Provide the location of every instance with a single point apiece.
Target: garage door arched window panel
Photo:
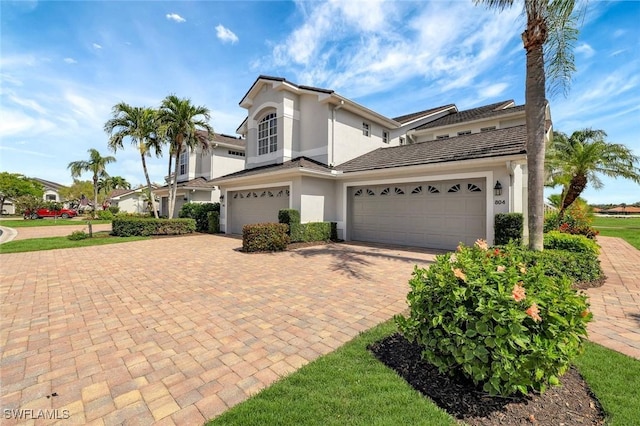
(417, 190)
(454, 188)
(398, 191)
(433, 190)
(385, 191)
(473, 187)
(358, 193)
(268, 134)
(370, 192)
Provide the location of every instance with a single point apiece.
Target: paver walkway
(616, 305)
(177, 330)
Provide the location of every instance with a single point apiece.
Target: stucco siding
(350, 142)
(317, 200)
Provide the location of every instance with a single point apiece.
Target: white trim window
(268, 134)
(464, 132)
(385, 136)
(439, 137)
(366, 129)
(184, 160)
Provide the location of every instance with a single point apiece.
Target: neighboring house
(196, 168)
(433, 178)
(130, 200)
(51, 190)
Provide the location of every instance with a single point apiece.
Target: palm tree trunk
(174, 184)
(146, 175)
(95, 196)
(576, 186)
(535, 106)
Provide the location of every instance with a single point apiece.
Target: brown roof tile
(222, 138)
(485, 111)
(494, 143)
(296, 163)
(415, 115)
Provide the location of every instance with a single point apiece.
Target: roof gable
(482, 112)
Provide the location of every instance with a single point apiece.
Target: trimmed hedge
(573, 243)
(508, 226)
(306, 232)
(291, 217)
(579, 267)
(199, 212)
(128, 227)
(214, 223)
(264, 237)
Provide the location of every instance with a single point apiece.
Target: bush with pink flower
(487, 314)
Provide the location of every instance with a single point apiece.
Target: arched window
(268, 134)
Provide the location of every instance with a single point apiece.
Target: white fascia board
(457, 165)
(228, 145)
(435, 113)
(286, 172)
(479, 120)
(360, 110)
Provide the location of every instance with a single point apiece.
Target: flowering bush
(576, 220)
(484, 313)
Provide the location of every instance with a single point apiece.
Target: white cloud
(96, 46)
(585, 50)
(175, 17)
(492, 90)
(26, 151)
(18, 123)
(225, 34)
(70, 61)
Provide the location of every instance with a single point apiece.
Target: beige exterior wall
(474, 127)
(350, 142)
(132, 203)
(317, 200)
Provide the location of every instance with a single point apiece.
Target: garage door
(256, 206)
(423, 214)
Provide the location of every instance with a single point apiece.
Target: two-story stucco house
(225, 155)
(433, 178)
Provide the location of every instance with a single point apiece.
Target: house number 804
(497, 202)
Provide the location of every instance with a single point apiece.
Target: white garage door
(256, 206)
(422, 214)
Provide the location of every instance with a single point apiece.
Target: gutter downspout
(333, 132)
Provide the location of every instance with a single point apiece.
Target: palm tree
(576, 161)
(550, 30)
(96, 165)
(109, 183)
(181, 123)
(140, 124)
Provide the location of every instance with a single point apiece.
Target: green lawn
(627, 228)
(349, 386)
(51, 243)
(47, 222)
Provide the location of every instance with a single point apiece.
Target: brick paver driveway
(177, 330)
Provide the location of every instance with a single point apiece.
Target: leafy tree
(14, 185)
(180, 122)
(28, 203)
(75, 192)
(140, 124)
(576, 161)
(96, 165)
(109, 183)
(550, 31)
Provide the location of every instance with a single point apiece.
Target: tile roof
(49, 184)
(296, 163)
(494, 143)
(226, 139)
(415, 115)
(485, 111)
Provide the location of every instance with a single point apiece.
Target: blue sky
(65, 64)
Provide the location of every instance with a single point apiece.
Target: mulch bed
(570, 404)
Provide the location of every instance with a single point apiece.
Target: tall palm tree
(97, 166)
(140, 124)
(576, 161)
(181, 123)
(550, 30)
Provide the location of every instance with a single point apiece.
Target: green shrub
(315, 231)
(556, 240)
(576, 220)
(199, 212)
(291, 217)
(486, 315)
(264, 237)
(214, 223)
(78, 235)
(131, 215)
(507, 227)
(579, 267)
(128, 227)
(104, 215)
(114, 209)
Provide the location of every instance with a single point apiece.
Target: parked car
(40, 213)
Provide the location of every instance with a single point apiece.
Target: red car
(40, 213)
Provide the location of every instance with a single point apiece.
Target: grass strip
(349, 386)
(346, 387)
(48, 222)
(615, 379)
(629, 235)
(52, 243)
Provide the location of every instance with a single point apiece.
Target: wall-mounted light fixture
(185, 198)
(221, 198)
(497, 189)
